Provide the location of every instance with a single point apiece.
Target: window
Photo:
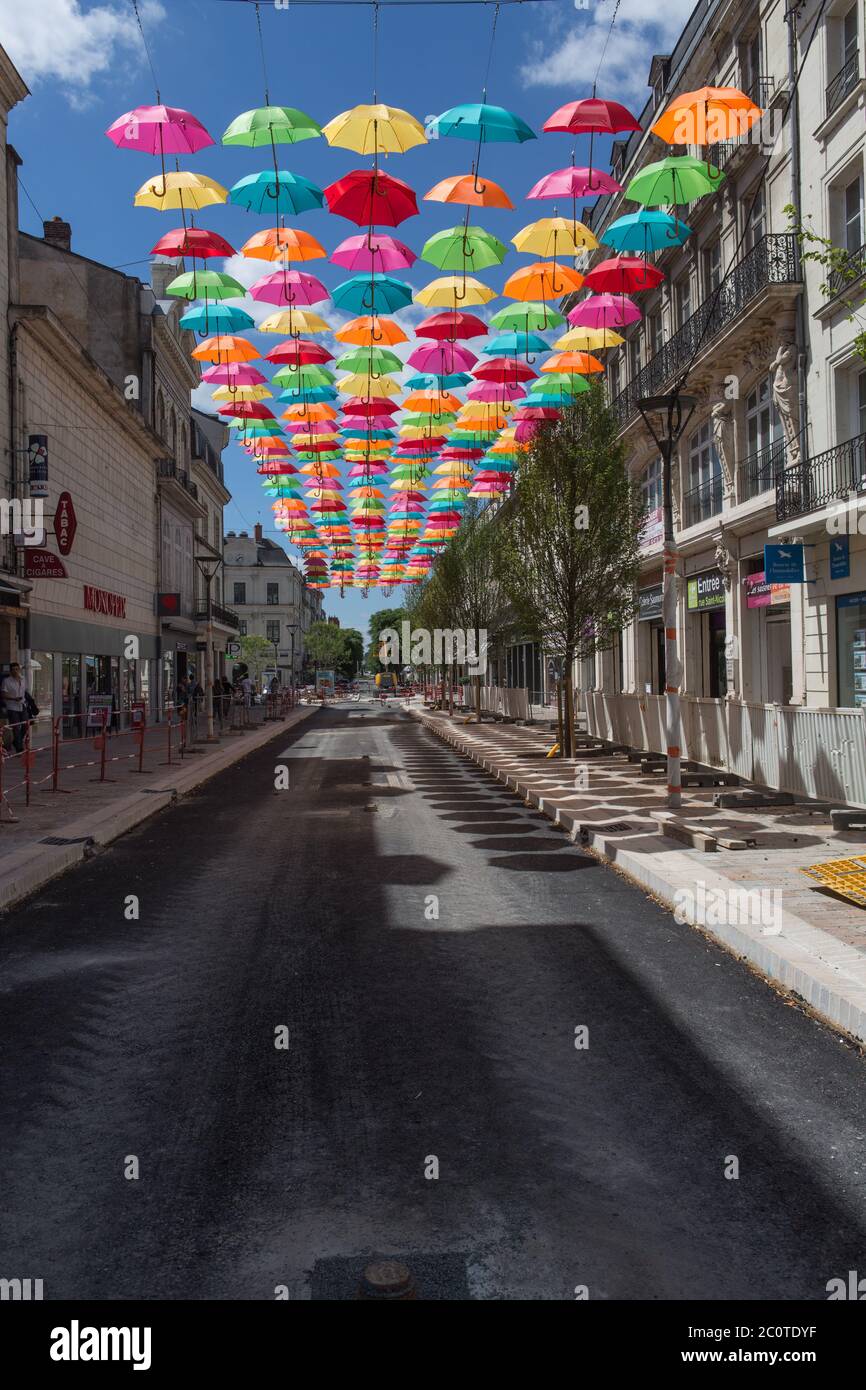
(274, 592)
(849, 35)
(764, 442)
(651, 485)
(242, 626)
(634, 356)
(272, 631)
(654, 332)
(240, 593)
(853, 213)
(705, 479)
(757, 218)
(752, 68)
(861, 403)
(712, 267)
(683, 298)
(613, 378)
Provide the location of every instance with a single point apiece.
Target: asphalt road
(412, 1037)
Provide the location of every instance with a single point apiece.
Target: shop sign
(840, 557)
(850, 600)
(101, 601)
(233, 648)
(99, 710)
(167, 605)
(649, 603)
(783, 564)
(653, 529)
(37, 457)
(760, 594)
(65, 523)
(706, 590)
(43, 564)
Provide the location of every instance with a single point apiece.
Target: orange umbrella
(370, 329)
(542, 280)
(470, 192)
(224, 347)
(283, 244)
(709, 115)
(316, 410)
(582, 362)
(433, 401)
(324, 470)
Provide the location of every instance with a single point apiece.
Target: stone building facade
(267, 591)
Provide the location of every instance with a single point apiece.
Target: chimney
(258, 531)
(58, 233)
(161, 274)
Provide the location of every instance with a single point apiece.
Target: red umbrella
(356, 405)
(505, 369)
(592, 114)
(253, 410)
(622, 275)
(192, 241)
(370, 198)
(299, 350)
(452, 325)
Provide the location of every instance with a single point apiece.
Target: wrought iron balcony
(815, 483)
(847, 273)
(702, 502)
(774, 260)
(760, 471)
(219, 615)
(845, 81)
(167, 468)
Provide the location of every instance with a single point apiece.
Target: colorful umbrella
(375, 130)
(371, 198)
(604, 311)
(363, 293)
(588, 340)
(516, 344)
(271, 125)
(591, 115)
(646, 231)
(224, 347)
(159, 130)
(451, 290)
(216, 318)
(283, 244)
(452, 324)
(527, 317)
(469, 191)
(182, 189)
(205, 284)
(707, 116)
(542, 280)
(442, 358)
(464, 248)
(555, 236)
(370, 328)
(677, 179)
(289, 287)
(378, 255)
(623, 275)
(295, 320)
(574, 183)
(273, 191)
(482, 122)
(192, 241)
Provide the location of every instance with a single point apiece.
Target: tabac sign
(65, 523)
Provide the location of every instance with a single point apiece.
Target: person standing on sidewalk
(14, 693)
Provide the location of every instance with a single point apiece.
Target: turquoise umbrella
(480, 121)
(515, 345)
(216, 318)
(365, 294)
(280, 192)
(645, 231)
(429, 381)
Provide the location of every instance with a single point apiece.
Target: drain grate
(66, 840)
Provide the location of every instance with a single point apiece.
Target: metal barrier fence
(807, 752)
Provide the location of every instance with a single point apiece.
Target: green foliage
(568, 539)
(382, 618)
(846, 268)
(332, 648)
(258, 654)
(353, 652)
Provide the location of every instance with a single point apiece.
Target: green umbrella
(464, 248)
(361, 359)
(308, 375)
(559, 383)
(279, 125)
(205, 284)
(677, 179)
(527, 318)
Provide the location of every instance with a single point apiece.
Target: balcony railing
(167, 468)
(219, 615)
(760, 471)
(825, 478)
(702, 502)
(844, 82)
(847, 273)
(774, 260)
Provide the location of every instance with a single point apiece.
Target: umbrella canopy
(588, 340)
(555, 236)
(604, 311)
(375, 130)
(272, 192)
(479, 121)
(377, 254)
(224, 347)
(283, 244)
(182, 189)
(623, 275)
(464, 248)
(369, 328)
(364, 293)
(366, 358)
(239, 373)
(371, 198)
(216, 318)
(707, 116)
(515, 344)
(205, 284)
(469, 191)
(542, 280)
(677, 179)
(452, 325)
(159, 130)
(646, 231)
(504, 369)
(271, 125)
(574, 183)
(451, 290)
(289, 287)
(442, 358)
(294, 320)
(192, 241)
(582, 362)
(527, 317)
(592, 114)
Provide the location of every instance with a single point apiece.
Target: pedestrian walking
(17, 704)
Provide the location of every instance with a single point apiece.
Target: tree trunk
(560, 735)
(477, 683)
(568, 712)
(451, 690)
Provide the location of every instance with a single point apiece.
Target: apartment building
(775, 444)
(267, 591)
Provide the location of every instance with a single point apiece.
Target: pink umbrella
(311, 426)
(495, 391)
(360, 470)
(234, 374)
(574, 183)
(604, 311)
(159, 130)
(382, 254)
(526, 430)
(289, 287)
(442, 358)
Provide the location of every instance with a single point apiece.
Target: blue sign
(840, 558)
(783, 564)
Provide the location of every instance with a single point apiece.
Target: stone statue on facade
(785, 399)
(722, 423)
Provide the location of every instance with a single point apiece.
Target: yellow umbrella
(241, 393)
(182, 189)
(555, 236)
(362, 384)
(374, 130)
(588, 340)
(294, 322)
(483, 410)
(452, 291)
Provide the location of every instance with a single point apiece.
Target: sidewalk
(815, 946)
(60, 829)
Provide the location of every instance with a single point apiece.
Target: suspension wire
(490, 50)
(376, 53)
(134, 4)
(605, 44)
(262, 52)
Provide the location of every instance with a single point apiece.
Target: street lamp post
(208, 566)
(666, 417)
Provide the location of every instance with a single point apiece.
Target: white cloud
(568, 54)
(59, 40)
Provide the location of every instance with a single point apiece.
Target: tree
(845, 270)
(384, 617)
(257, 653)
(325, 646)
(568, 550)
(353, 652)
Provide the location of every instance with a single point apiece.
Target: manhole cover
(434, 1277)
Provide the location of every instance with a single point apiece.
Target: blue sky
(85, 66)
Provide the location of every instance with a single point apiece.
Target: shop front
(705, 605)
(651, 639)
(81, 669)
(851, 650)
(767, 638)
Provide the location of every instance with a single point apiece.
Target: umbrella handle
(376, 337)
